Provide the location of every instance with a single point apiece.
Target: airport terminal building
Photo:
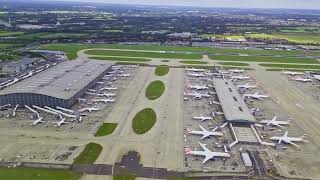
(60, 85)
(234, 108)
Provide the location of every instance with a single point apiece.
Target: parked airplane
(62, 121)
(197, 95)
(207, 153)
(104, 94)
(236, 70)
(292, 73)
(195, 70)
(288, 140)
(205, 133)
(89, 109)
(274, 122)
(223, 72)
(124, 75)
(193, 74)
(202, 118)
(198, 87)
(246, 86)
(214, 114)
(109, 100)
(255, 96)
(38, 121)
(108, 88)
(302, 79)
(240, 77)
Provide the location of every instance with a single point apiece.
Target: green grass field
(48, 35)
(72, 49)
(281, 69)
(124, 177)
(161, 70)
(37, 174)
(291, 66)
(143, 54)
(131, 63)
(144, 121)
(300, 30)
(106, 129)
(154, 90)
(233, 64)
(89, 155)
(178, 178)
(265, 59)
(300, 38)
(193, 62)
(111, 58)
(13, 33)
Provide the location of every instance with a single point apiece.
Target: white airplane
(62, 121)
(198, 87)
(193, 74)
(255, 96)
(109, 100)
(302, 79)
(214, 114)
(202, 118)
(104, 94)
(205, 133)
(108, 88)
(197, 95)
(246, 86)
(274, 122)
(236, 70)
(38, 121)
(89, 109)
(206, 152)
(240, 77)
(195, 70)
(292, 73)
(288, 140)
(124, 75)
(223, 72)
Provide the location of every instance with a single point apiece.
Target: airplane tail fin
(187, 150)
(189, 130)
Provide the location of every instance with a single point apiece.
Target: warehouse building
(60, 85)
(234, 108)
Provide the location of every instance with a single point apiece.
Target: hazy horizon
(286, 4)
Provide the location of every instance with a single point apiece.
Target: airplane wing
(204, 136)
(202, 128)
(278, 125)
(204, 147)
(292, 143)
(207, 158)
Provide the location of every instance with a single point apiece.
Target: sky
(288, 4)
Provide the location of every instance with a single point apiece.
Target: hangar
(60, 85)
(234, 108)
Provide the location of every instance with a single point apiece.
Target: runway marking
(36, 147)
(6, 148)
(58, 149)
